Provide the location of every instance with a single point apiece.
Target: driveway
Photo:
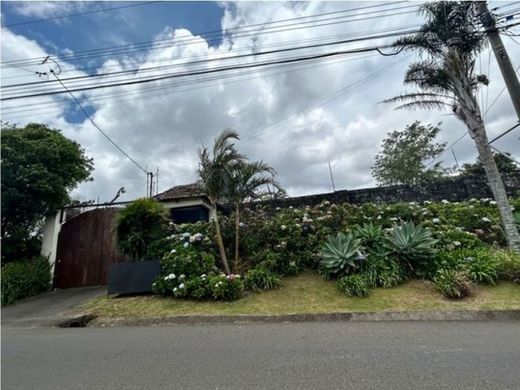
(44, 310)
(336, 355)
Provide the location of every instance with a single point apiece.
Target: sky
(296, 117)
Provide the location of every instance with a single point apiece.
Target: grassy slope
(308, 293)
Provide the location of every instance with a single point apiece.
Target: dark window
(189, 214)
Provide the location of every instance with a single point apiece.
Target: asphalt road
(335, 355)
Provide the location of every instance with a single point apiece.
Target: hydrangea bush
(284, 241)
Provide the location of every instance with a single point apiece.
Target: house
(186, 203)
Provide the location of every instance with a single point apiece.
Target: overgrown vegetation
(23, 279)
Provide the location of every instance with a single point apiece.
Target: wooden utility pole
(506, 68)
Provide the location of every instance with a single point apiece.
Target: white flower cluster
(444, 201)
(170, 277)
(485, 219)
(196, 237)
(436, 220)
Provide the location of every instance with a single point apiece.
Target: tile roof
(192, 190)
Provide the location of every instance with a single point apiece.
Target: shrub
(479, 264)
(508, 265)
(279, 263)
(383, 271)
(340, 255)
(450, 239)
(354, 285)
(370, 235)
(259, 279)
(226, 287)
(454, 284)
(138, 225)
(413, 245)
(24, 279)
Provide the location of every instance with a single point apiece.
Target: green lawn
(308, 293)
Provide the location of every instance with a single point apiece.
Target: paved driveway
(43, 310)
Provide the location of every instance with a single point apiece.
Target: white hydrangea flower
(182, 276)
(181, 285)
(485, 219)
(445, 201)
(436, 220)
(492, 203)
(283, 227)
(186, 244)
(457, 243)
(173, 250)
(393, 219)
(241, 224)
(175, 289)
(278, 209)
(379, 217)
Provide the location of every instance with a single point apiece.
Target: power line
(217, 70)
(205, 34)
(81, 13)
(504, 133)
(96, 126)
(223, 58)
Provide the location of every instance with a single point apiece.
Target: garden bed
(309, 293)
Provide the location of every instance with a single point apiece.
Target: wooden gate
(86, 247)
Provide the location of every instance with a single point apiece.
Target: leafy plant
(383, 271)
(260, 279)
(414, 245)
(354, 285)
(23, 279)
(226, 287)
(508, 265)
(370, 235)
(452, 283)
(340, 255)
(138, 225)
(482, 267)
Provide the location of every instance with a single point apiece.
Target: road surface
(334, 355)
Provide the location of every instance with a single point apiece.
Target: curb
(442, 315)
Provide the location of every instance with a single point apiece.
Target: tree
(214, 169)
(449, 42)
(404, 153)
(245, 183)
(39, 169)
(504, 164)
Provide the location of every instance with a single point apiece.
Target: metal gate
(86, 248)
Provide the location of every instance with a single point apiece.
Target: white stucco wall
(51, 230)
(188, 202)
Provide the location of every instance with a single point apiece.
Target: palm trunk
(497, 187)
(237, 233)
(220, 242)
(471, 115)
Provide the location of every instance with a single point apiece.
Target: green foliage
(370, 235)
(23, 279)
(340, 255)
(454, 284)
(226, 287)
(404, 153)
(354, 285)
(138, 225)
(383, 271)
(260, 279)
(508, 265)
(479, 264)
(413, 245)
(504, 165)
(39, 169)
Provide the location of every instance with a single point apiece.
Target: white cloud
(293, 117)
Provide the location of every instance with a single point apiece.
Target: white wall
(51, 230)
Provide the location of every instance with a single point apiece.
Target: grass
(308, 293)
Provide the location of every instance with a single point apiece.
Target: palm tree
(213, 173)
(246, 181)
(448, 43)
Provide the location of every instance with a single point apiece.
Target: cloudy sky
(296, 117)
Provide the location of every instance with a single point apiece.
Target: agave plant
(412, 244)
(341, 255)
(371, 235)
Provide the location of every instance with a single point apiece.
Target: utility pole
(332, 179)
(506, 68)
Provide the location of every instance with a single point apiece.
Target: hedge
(23, 279)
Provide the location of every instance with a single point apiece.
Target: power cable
(80, 14)
(96, 126)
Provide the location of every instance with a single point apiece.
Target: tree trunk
(469, 112)
(220, 243)
(497, 187)
(237, 233)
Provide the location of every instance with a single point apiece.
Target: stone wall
(452, 189)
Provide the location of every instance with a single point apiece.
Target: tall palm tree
(448, 44)
(214, 168)
(248, 181)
